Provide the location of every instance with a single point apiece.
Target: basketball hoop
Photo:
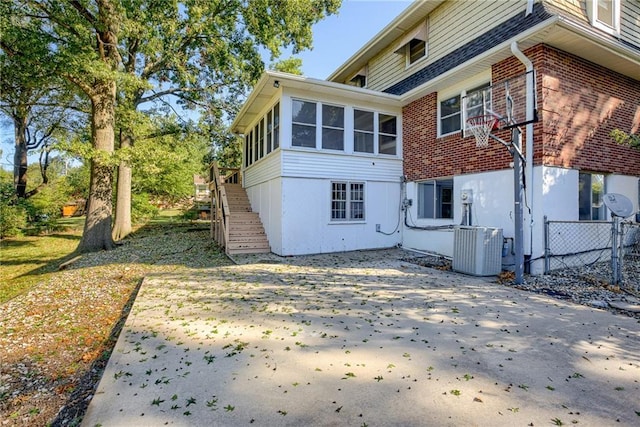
(481, 127)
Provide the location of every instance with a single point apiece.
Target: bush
(13, 215)
(141, 208)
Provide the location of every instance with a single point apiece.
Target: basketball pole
(518, 238)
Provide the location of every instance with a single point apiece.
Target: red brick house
(424, 65)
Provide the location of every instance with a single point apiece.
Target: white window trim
(436, 200)
(323, 126)
(348, 219)
(592, 11)
(461, 90)
(407, 55)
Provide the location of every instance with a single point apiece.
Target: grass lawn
(24, 260)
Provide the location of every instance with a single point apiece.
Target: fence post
(547, 260)
(614, 251)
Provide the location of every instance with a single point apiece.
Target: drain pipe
(530, 114)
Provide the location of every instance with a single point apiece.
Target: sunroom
(322, 164)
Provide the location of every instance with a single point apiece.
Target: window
(363, 131)
(590, 192)
(347, 201)
(250, 139)
(304, 124)
(263, 138)
(387, 134)
(332, 127)
(269, 141)
(416, 49)
(261, 141)
(605, 14)
(454, 111)
(435, 199)
(276, 126)
(414, 44)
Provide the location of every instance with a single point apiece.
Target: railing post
(547, 260)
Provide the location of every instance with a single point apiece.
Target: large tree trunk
(97, 227)
(122, 224)
(20, 156)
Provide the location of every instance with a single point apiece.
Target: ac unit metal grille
(477, 250)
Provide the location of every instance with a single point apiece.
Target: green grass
(23, 260)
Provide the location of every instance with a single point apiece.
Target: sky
(335, 40)
(338, 37)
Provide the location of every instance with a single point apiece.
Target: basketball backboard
(507, 100)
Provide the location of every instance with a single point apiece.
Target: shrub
(13, 215)
(141, 208)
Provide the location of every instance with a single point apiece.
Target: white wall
(306, 213)
(492, 207)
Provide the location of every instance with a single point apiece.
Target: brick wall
(579, 103)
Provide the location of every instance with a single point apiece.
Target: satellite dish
(618, 204)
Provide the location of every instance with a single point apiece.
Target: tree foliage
(628, 139)
(164, 54)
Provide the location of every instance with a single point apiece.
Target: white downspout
(529, 7)
(530, 107)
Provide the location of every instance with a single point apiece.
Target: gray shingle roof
(486, 41)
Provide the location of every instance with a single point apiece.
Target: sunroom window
(304, 124)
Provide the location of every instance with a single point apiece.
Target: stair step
(247, 245)
(248, 239)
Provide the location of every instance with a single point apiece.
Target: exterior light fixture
(276, 84)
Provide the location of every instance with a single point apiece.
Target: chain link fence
(605, 251)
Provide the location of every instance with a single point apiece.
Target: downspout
(529, 7)
(530, 114)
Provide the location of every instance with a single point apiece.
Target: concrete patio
(363, 339)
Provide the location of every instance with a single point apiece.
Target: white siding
(266, 199)
(451, 25)
(301, 164)
(630, 22)
(263, 170)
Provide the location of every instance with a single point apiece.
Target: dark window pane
(363, 120)
(303, 136)
(363, 142)
(387, 144)
(417, 50)
(450, 124)
(332, 116)
(387, 124)
(304, 112)
(332, 139)
(450, 106)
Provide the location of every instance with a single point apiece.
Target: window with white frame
(363, 131)
(303, 124)
(414, 44)
(347, 201)
(263, 138)
(453, 112)
(590, 197)
(605, 14)
(332, 127)
(435, 199)
(387, 134)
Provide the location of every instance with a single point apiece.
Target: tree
(36, 102)
(203, 54)
(291, 65)
(198, 51)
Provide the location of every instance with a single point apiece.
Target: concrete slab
(363, 339)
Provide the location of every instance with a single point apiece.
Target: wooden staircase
(246, 233)
(233, 224)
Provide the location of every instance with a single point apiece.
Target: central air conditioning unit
(477, 250)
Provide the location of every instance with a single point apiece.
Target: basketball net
(481, 127)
